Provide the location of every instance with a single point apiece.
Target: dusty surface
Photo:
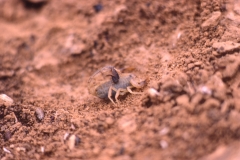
(188, 50)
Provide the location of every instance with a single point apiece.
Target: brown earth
(188, 51)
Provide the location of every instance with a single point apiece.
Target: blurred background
(188, 51)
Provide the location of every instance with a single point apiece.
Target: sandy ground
(187, 50)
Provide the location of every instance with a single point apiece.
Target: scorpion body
(104, 87)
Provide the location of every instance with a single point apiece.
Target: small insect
(109, 81)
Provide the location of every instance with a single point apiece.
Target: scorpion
(110, 82)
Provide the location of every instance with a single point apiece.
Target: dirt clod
(214, 17)
(226, 47)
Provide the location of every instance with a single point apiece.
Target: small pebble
(163, 144)
(109, 121)
(6, 150)
(21, 149)
(6, 100)
(65, 137)
(73, 141)
(179, 35)
(205, 90)
(73, 127)
(152, 92)
(39, 113)
(42, 149)
(164, 131)
(12, 146)
(98, 7)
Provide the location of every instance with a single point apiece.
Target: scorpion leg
(130, 90)
(110, 94)
(120, 91)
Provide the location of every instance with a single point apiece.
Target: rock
(71, 140)
(39, 113)
(164, 131)
(5, 100)
(213, 20)
(66, 136)
(225, 47)
(163, 144)
(152, 92)
(204, 90)
(42, 149)
(6, 150)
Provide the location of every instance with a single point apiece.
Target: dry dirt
(187, 50)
